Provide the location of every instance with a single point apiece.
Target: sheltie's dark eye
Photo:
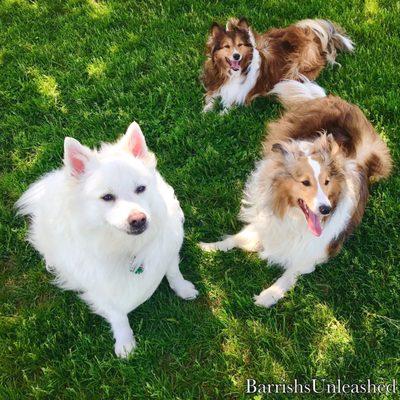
(227, 46)
(240, 44)
(108, 197)
(140, 189)
(306, 182)
(327, 182)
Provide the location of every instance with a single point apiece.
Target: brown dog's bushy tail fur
(311, 111)
(332, 37)
(290, 92)
(373, 154)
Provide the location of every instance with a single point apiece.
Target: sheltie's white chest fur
(287, 241)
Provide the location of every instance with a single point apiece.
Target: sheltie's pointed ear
(76, 156)
(280, 148)
(243, 24)
(333, 145)
(287, 150)
(134, 142)
(216, 30)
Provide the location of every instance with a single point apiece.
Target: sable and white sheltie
(310, 189)
(110, 228)
(242, 65)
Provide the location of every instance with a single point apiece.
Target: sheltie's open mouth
(313, 222)
(234, 64)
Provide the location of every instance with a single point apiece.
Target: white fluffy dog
(110, 228)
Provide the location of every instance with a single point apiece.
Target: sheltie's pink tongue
(313, 223)
(235, 65)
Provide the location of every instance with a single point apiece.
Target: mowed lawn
(87, 69)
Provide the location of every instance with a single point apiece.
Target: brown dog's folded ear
(243, 24)
(216, 29)
(333, 145)
(288, 150)
(279, 148)
(234, 23)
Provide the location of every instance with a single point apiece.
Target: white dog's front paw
(268, 297)
(123, 348)
(185, 290)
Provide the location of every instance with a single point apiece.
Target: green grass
(87, 69)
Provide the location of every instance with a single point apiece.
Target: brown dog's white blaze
(309, 177)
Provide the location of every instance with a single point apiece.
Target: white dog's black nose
(137, 222)
(324, 209)
(236, 56)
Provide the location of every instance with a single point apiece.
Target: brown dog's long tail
(373, 154)
(332, 37)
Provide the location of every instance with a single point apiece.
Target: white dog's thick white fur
(86, 241)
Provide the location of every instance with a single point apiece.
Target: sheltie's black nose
(236, 56)
(324, 209)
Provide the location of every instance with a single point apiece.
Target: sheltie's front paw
(208, 107)
(123, 348)
(268, 297)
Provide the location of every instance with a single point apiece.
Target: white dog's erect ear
(76, 156)
(134, 141)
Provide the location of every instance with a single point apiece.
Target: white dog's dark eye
(327, 182)
(306, 182)
(108, 197)
(140, 189)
